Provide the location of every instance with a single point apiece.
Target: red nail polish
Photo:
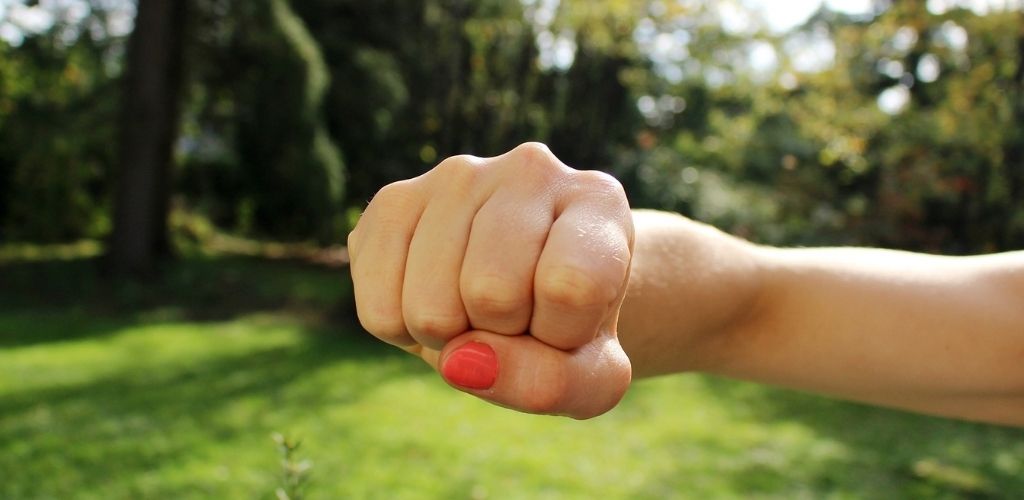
(472, 366)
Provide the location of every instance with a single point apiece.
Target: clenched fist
(505, 274)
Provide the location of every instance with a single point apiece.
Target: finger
(497, 272)
(430, 356)
(525, 374)
(431, 301)
(582, 270)
(378, 249)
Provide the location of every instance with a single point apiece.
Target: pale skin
(577, 295)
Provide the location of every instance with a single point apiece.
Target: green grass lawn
(173, 389)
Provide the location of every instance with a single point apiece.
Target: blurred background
(177, 178)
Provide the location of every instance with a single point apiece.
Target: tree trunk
(149, 126)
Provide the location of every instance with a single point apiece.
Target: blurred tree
(908, 137)
(918, 130)
(416, 81)
(258, 150)
(899, 127)
(149, 126)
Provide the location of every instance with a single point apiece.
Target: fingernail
(472, 366)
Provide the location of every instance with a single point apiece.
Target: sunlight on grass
(34, 252)
(187, 409)
(172, 401)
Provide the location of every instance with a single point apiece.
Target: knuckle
(546, 398)
(458, 168)
(436, 324)
(383, 326)
(493, 296)
(388, 212)
(536, 155)
(616, 385)
(458, 174)
(459, 162)
(394, 193)
(615, 376)
(351, 243)
(612, 398)
(391, 204)
(533, 149)
(602, 182)
(573, 288)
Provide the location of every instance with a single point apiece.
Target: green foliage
(817, 161)
(273, 169)
(416, 81)
(57, 129)
(945, 173)
(662, 94)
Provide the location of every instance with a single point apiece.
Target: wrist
(749, 304)
(693, 294)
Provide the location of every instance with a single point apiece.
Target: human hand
(506, 275)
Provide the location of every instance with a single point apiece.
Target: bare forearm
(938, 335)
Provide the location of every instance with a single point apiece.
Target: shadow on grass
(193, 288)
(919, 456)
(114, 428)
(140, 420)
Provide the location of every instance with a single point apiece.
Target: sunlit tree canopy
(838, 121)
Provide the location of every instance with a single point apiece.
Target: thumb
(525, 374)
